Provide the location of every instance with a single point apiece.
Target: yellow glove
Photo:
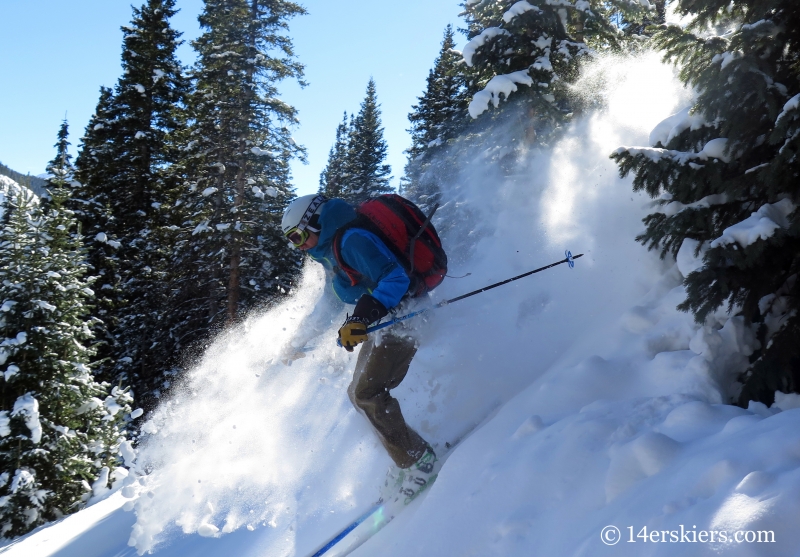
(353, 332)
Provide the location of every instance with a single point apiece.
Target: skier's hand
(370, 309)
(353, 332)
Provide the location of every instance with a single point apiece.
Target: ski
(349, 528)
(369, 524)
(355, 534)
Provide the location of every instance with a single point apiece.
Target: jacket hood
(335, 214)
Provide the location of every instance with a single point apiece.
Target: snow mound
(498, 85)
(518, 9)
(686, 259)
(673, 126)
(478, 41)
(759, 226)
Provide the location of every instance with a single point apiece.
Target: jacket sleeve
(365, 253)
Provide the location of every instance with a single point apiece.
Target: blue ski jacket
(382, 276)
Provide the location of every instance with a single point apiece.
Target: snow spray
(248, 442)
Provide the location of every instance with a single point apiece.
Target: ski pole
(569, 259)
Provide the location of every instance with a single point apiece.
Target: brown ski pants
(379, 369)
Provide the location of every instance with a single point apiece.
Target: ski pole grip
(371, 330)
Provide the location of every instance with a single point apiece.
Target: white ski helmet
(300, 212)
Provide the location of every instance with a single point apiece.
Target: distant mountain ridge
(36, 185)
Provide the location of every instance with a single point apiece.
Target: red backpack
(407, 232)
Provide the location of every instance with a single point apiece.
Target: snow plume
(256, 438)
(567, 191)
(255, 443)
(622, 422)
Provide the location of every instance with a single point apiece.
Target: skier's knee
(361, 400)
(366, 399)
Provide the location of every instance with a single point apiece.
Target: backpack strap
(354, 276)
(413, 241)
(425, 233)
(351, 273)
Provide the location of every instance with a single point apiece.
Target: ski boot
(411, 481)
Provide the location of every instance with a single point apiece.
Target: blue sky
(56, 55)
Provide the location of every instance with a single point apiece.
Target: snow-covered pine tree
(60, 169)
(129, 175)
(639, 24)
(146, 111)
(725, 171)
(522, 59)
(149, 100)
(334, 176)
(60, 430)
(230, 255)
(368, 175)
(91, 202)
(537, 44)
(438, 117)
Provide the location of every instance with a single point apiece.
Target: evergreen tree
(499, 54)
(538, 45)
(60, 169)
(91, 203)
(726, 173)
(125, 169)
(367, 173)
(149, 100)
(519, 66)
(334, 177)
(230, 255)
(146, 111)
(60, 430)
(639, 25)
(439, 116)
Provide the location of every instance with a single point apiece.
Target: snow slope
(598, 404)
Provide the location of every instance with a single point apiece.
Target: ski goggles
(297, 237)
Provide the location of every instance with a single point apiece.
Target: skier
(311, 223)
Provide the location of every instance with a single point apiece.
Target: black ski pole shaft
(567, 259)
(512, 279)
